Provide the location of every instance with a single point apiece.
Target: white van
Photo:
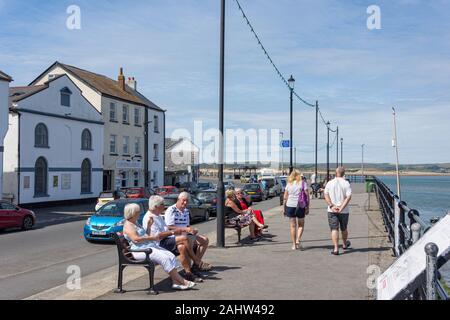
(273, 185)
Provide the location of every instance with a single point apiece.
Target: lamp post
(317, 135)
(291, 87)
(337, 147)
(342, 152)
(362, 162)
(220, 186)
(328, 151)
(395, 145)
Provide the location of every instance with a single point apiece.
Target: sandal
(347, 246)
(203, 266)
(336, 253)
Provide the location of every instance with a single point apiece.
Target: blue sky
(172, 49)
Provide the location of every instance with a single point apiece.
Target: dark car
(137, 193)
(209, 197)
(202, 186)
(255, 191)
(197, 209)
(12, 216)
(190, 187)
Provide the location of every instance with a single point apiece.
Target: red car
(138, 193)
(164, 191)
(12, 216)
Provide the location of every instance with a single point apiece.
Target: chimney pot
(121, 79)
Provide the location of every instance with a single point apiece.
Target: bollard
(415, 232)
(431, 250)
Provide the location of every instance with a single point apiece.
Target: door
(7, 215)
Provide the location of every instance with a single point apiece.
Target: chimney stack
(132, 83)
(121, 79)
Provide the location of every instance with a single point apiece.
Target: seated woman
(139, 240)
(243, 217)
(244, 204)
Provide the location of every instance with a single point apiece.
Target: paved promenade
(269, 269)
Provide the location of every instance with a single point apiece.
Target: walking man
(338, 195)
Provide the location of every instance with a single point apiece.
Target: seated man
(177, 218)
(172, 241)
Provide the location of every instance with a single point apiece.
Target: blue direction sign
(285, 143)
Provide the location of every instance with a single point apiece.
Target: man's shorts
(169, 244)
(338, 221)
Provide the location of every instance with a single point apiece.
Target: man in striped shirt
(177, 218)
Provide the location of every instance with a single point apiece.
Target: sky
(172, 49)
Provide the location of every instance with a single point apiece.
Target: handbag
(303, 201)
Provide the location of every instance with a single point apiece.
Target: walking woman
(292, 208)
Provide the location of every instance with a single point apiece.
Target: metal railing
(411, 227)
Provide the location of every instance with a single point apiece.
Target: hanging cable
(269, 58)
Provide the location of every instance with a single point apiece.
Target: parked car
(228, 184)
(163, 191)
(201, 186)
(108, 196)
(245, 178)
(137, 193)
(209, 197)
(109, 219)
(12, 216)
(255, 191)
(197, 209)
(273, 186)
(282, 180)
(190, 187)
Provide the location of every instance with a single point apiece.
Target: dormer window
(65, 97)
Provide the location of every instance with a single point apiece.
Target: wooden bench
(126, 259)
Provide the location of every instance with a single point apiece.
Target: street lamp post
(328, 151)
(317, 135)
(282, 151)
(337, 147)
(220, 186)
(362, 162)
(291, 87)
(342, 152)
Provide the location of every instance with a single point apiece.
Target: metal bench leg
(239, 235)
(120, 280)
(151, 274)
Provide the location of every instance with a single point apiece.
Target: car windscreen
(106, 195)
(206, 196)
(251, 187)
(269, 182)
(116, 209)
(170, 201)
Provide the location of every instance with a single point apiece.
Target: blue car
(109, 219)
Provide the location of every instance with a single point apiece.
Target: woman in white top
(139, 240)
(295, 213)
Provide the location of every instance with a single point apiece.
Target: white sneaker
(183, 286)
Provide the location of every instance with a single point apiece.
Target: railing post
(431, 250)
(415, 232)
(397, 214)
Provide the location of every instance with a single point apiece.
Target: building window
(136, 179)
(65, 97)
(112, 112)
(124, 179)
(126, 145)
(126, 114)
(40, 177)
(137, 146)
(41, 136)
(137, 117)
(155, 152)
(156, 124)
(113, 144)
(86, 140)
(86, 176)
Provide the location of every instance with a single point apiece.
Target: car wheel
(27, 223)
(206, 216)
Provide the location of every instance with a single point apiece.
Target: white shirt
(313, 178)
(293, 190)
(338, 189)
(176, 218)
(158, 226)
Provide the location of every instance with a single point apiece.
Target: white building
(4, 93)
(54, 146)
(134, 127)
(182, 161)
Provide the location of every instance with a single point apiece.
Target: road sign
(285, 143)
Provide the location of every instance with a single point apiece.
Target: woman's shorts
(295, 212)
